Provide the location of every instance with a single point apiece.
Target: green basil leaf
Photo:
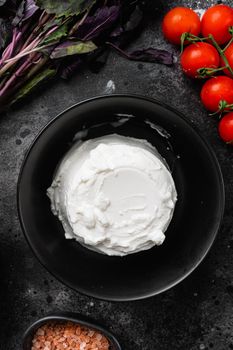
(65, 8)
(55, 36)
(30, 85)
(70, 48)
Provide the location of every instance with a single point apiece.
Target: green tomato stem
(221, 53)
(222, 107)
(209, 71)
(226, 47)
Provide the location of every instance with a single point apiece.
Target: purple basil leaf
(147, 55)
(152, 55)
(26, 9)
(103, 19)
(30, 9)
(122, 34)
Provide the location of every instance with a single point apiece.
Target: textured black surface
(197, 314)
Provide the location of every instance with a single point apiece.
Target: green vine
(206, 72)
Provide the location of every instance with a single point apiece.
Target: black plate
(196, 218)
(68, 317)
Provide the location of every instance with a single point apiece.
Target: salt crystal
(61, 340)
(82, 346)
(65, 337)
(40, 331)
(98, 336)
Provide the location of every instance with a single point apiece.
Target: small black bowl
(65, 317)
(196, 218)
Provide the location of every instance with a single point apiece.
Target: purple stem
(41, 16)
(25, 51)
(51, 31)
(88, 36)
(5, 54)
(10, 48)
(42, 20)
(13, 41)
(14, 76)
(124, 54)
(23, 30)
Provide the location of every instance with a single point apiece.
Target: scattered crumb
(69, 336)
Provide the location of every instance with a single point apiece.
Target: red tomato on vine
(225, 128)
(217, 20)
(229, 55)
(197, 56)
(215, 90)
(178, 21)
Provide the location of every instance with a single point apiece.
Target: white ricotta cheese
(114, 195)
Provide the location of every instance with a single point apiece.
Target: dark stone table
(196, 314)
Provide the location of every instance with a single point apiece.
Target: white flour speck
(110, 87)
(175, 59)
(200, 12)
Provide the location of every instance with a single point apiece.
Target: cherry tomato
(199, 55)
(216, 89)
(229, 56)
(178, 21)
(216, 21)
(225, 128)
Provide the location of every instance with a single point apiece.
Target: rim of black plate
(208, 148)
